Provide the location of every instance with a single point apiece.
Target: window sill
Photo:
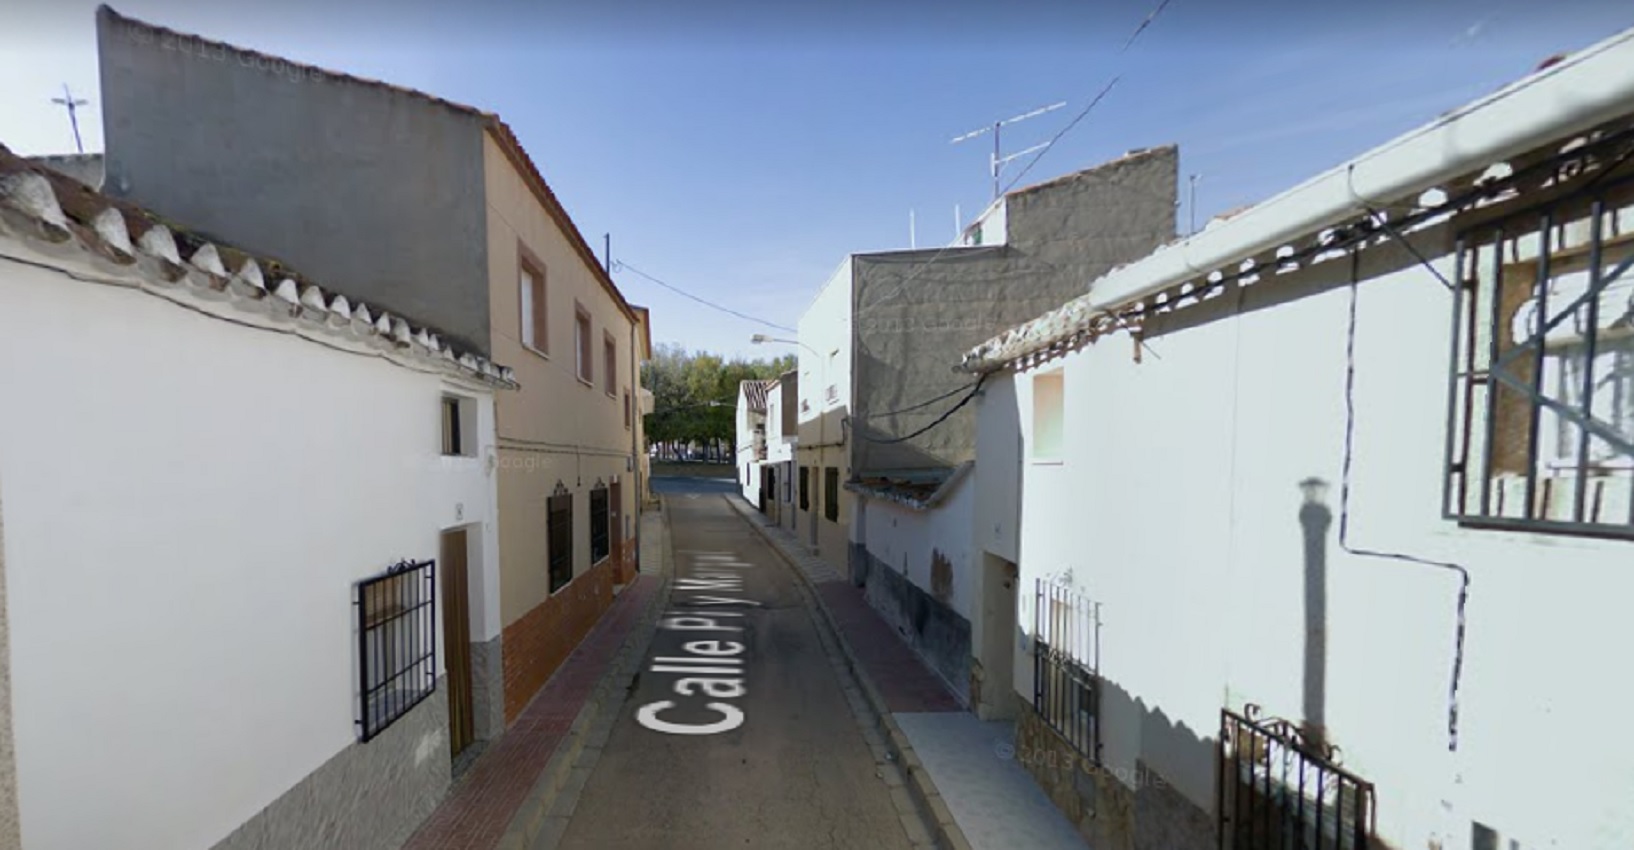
(1047, 461)
(537, 351)
(586, 381)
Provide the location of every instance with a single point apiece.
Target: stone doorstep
(530, 820)
(922, 786)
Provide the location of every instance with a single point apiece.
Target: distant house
(749, 447)
(782, 435)
(84, 167)
(1327, 512)
(241, 510)
(887, 433)
(305, 164)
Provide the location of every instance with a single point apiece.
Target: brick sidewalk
(481, 805)
(896, 671)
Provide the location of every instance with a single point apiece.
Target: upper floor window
(581, 344)
(1543, 380)
(628, 415)
(459, 427)
(1049, 415)
(531, 287)
(609, 356)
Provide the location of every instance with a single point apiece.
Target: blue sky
(741, 150)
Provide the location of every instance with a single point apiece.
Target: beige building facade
(572, 437)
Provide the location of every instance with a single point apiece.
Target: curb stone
(537, 820)
(921, 787)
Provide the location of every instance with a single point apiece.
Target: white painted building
(750, 442)
(1321, 462)
(782, 435)
(211, 457)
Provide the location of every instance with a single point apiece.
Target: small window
(531, 284)
(805, 488)
(600, 534)
(609, 356)
(581, 339)
(559, 530)
(397, 655)
(459, 427)
(831, 494)
(1048, 415)
(628, 417)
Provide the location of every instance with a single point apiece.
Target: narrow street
(737, 732)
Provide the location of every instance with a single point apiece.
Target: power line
(926, 403)
(620, 265)
(976, 388)
(1105, 90)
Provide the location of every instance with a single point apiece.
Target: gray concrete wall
(917, 312)
(488, 688)
(84, 167)
(937, 632)
(10, 823)
(370, 796)
(374, 192)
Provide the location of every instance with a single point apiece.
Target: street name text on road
(713, 669)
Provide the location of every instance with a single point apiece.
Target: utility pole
(68, 100)
(913, 234)
(607, 251)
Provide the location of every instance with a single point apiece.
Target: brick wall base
(540, 640)
(624, 571)
(1108, 814)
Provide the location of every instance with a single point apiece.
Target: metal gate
(1066, 664)
(1280, 791)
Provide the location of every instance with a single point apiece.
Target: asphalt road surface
(763, 749)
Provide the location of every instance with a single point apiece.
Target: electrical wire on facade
(1344, 512)
(974, 389)
(619, 265)
(926, 403)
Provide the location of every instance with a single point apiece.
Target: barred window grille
(1066, 664)
(559, 530)
(805, 488)
(831, 494)
(600, 546)
(1542, 432)
(1280, 787)
(397, 655)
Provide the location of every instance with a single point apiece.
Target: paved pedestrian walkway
(481, 805)
(995, 802)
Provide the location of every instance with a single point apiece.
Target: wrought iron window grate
(1542, 382)
(600, 545)
(559, 531)
(397, 655)
(1280, 789)
(1066, 665)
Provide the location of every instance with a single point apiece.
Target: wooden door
(615, 519)
(457, 640)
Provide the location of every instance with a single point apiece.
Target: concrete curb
(594, 723)
(920, 785)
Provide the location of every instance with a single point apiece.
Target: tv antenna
(998, 160)
(72, 104)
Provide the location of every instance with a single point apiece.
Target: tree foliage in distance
(695, 394)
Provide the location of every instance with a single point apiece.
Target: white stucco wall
(188, 505)
(825, 335)
(901, 536)
(1178, 505)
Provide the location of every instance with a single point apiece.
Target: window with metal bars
(600, 534)
(397, 655)
(1066, 665)
(805, 488)
(831, 494)
(1542, 397)
(1277, 788)
(559, 530)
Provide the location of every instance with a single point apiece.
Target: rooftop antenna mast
(68, 100)
(998, 160)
